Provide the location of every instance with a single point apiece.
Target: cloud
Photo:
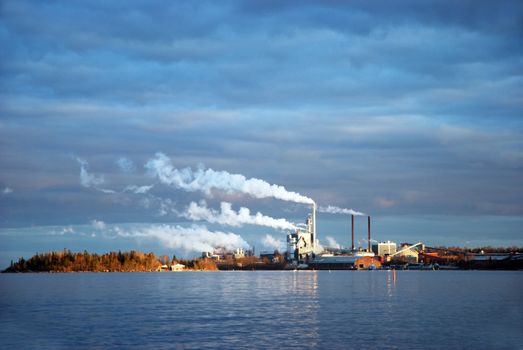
(228, 216)
(98, 224)
(343, 102)
(384, 202)
(191, 239)
(138, 189)
(205, 180)
(126, 165)
(7, 190)
(64, 231)
(272, 243)
(86, 179)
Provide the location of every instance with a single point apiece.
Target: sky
(410, 112)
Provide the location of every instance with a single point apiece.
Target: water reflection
(304, 302)
(391, 282)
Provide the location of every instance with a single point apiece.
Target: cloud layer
(406, 109)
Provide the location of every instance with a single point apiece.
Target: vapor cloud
(126, 165)
(273, 243)
(86, 179)
(332, 243)
(91, 180)
(205, 180)
(98, 224)
(138, 189)
(337, 210)
(191, 239)
(7, 190)
(228, 216)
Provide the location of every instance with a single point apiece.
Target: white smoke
(90, 180)
(228, 216)
(86, 179)
(7, 190)
(331, 242)
(192, 239)
(337, 210)
(273, 243)
(138, 189)
(206, 179)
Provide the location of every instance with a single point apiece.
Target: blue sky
(410, 112)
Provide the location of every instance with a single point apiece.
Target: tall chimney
(368, 224)
(314, 226)
(352, 246)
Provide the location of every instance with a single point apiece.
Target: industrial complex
(305, 252)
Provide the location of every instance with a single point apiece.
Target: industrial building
(384, 248)
(303, 248)
(302, 245)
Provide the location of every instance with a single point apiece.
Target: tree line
(133, 261)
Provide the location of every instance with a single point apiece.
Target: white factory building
(303, 245)
(384, 248)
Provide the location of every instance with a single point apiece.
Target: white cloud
(384, 202)
(98, 224)
(7, 190)
(63, 231)
(126, 165)
(138, 189)
(86, 179)
(91, 180)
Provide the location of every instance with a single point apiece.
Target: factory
(303, 249)
(305, 252)
(302, 246)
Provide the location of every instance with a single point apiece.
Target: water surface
(279, 309)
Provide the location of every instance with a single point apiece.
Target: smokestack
(352, 246)
(314, 225)
(368, 222)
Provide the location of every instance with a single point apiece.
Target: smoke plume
(228, 216)
(90, 180)
(273, 243)
(138, 189)
(337, 210)
(207, 179)
(331, 242)
(191, 239)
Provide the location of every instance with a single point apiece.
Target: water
(264, 310)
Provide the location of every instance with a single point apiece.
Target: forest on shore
(133, 261)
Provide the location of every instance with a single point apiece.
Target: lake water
(263, 310)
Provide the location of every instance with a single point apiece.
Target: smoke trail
(192, 239)
(90, 180)
(138, 189)
(206, 179)
(273, 243)
(227, 216)
(337, 210)
(331, 242)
